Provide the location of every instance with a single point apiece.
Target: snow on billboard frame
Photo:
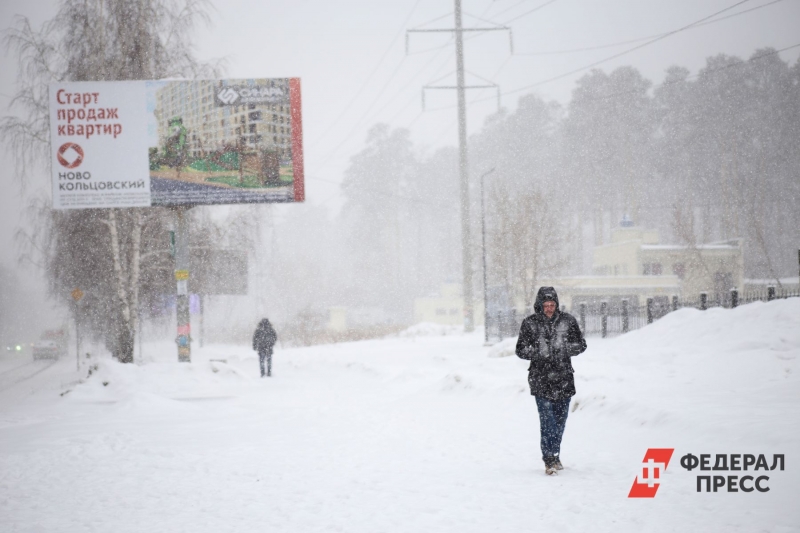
(176, 143)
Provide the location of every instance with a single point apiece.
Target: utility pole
(463, 156)
(483, 249)
(463, 170)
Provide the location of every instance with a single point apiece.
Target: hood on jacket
(545, 294)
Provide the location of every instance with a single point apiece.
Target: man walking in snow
(549, 338)
(263, 341)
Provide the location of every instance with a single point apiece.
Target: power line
(449, 13)
(361, 119)
(534, 10)
(612, 57)
(367, 112)
(369, 78)
(413, 79)
(482, 19)
(629, 50)
(509, 8)
(640, 39)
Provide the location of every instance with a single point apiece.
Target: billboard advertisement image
(176, 143)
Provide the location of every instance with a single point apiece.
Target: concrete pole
(483, 249)
(463, 167)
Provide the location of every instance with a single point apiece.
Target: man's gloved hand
(575, 348)
(529, 353)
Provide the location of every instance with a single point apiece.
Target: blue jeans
(552, 419)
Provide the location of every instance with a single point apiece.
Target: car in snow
(46, 349)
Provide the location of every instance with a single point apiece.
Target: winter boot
(550, 466)
(557, 463)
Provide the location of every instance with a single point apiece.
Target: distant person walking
(263, 341)
(549, 338)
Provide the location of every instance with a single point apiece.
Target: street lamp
(483, 238)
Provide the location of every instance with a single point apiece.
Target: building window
(652, 269)
(679, 269)
(441, 311)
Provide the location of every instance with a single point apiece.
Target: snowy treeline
(701, 157)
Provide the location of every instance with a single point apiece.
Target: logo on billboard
(70, 155)
(654, 464)
(228, 95)
(247, 94)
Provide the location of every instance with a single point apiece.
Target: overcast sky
(351, 57)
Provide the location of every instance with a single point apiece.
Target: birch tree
(530, 240)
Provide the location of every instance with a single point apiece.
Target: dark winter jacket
(549, 343)
(265, 337)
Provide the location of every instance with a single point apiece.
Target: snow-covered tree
(116, 256)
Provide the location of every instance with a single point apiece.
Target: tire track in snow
(17, 375)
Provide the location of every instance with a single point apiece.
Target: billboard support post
(77, 339)
(202, 312)
(183, 340)
(77, 294)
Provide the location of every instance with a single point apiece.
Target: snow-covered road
(410, 433)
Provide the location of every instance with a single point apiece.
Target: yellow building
(635, 266)
(337, 319)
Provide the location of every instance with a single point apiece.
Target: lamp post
(483, 238)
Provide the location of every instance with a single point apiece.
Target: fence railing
(600, 318)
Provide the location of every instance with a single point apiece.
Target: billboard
(176, 143)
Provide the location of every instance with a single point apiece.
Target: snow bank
(504, 348)
(427, 329)
(425, 431)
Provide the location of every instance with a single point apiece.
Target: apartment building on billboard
(246, 115)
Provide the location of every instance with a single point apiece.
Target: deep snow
(425, 431)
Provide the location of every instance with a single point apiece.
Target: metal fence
(608, 319)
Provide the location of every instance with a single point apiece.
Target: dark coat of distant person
(265, 337)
